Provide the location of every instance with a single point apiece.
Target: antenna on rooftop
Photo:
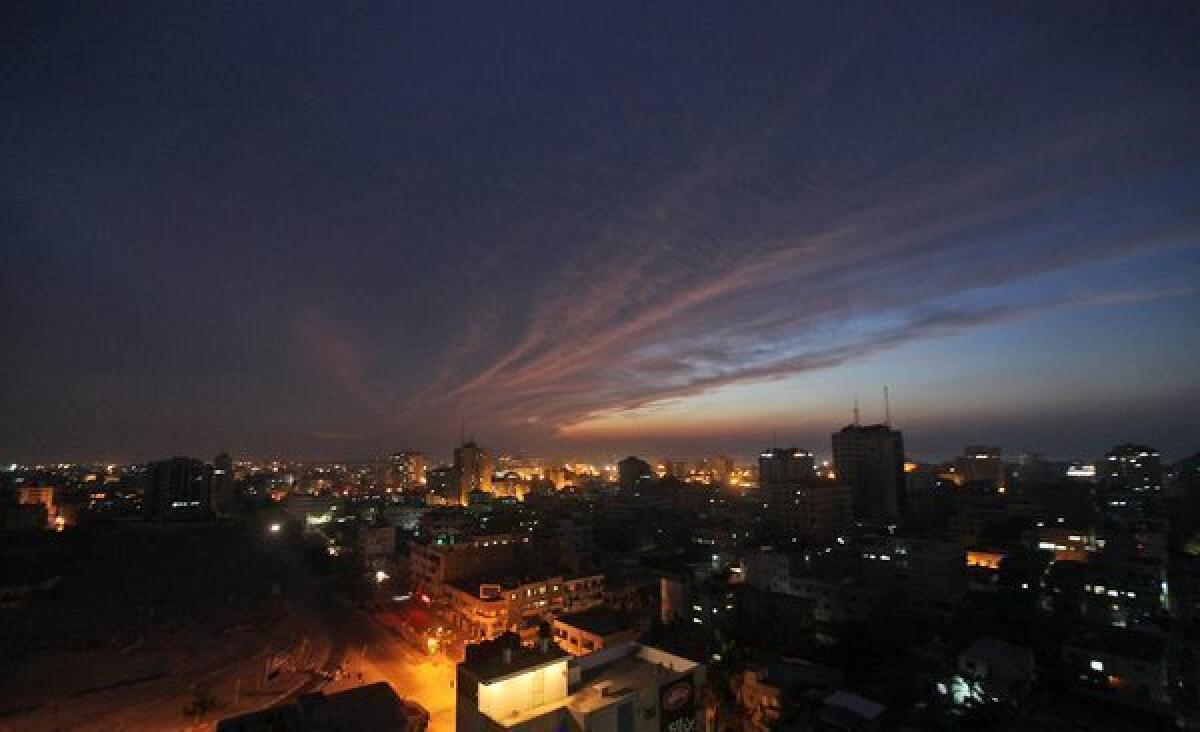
(857, 421)
(887, 408)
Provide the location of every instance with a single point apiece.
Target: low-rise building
(625, 688)
(376, 546)
(592, 630)
(374, 707)
(844, 711)
(486, 608)
(1120, 665)
(1001, 670)
(762, 692)
(435, 563)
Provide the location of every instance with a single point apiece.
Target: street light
(276, 528)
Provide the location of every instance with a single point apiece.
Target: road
(343, 636)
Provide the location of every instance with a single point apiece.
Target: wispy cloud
(685, 300)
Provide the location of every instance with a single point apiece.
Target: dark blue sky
(310, 229)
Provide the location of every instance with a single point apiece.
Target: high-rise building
(722, 468)
(407, 470)
(808, 512)
(443, 483)
(1128, 467)
(981, 466)
(871, 460)
(179, 488)
(779, 465)
(802, 507)
(634, 473)
(1130, 479)
(473, 464)
(224, 501)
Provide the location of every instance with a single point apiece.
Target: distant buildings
(443, 484)
(473, 468)
(809, 512)
(802, 507)
(625, 688)
(1130, 476)
(981, 468)
(179, 488)
(871, 460)
(224, 500)
(407, 470)
(780, 465)
(634, 474)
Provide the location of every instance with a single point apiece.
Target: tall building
(802, 507)
(982, 467)
(809, 512)
(634, 473)
(443, 483)
(1129, 467)
(408, 470)
(871, 460)
(179, 488)
(785, 465)
(224, 501)
(473, 466)
(722, 468)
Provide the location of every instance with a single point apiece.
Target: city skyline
(313, 234)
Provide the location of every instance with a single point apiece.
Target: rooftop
(1121, 642)
(488, 660)
(606, 677)
(599, 620)
(374, 707)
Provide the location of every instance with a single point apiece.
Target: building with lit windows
(871, 460)
(436, 562)
(808, 512)
(1127, 592)
(592, 630)
(1130, 476)
(179, 488)
(39, 495)
(625, 688)
(1119, 665)
(407, 470)
(982, 468)
(473, 467)
(634, 474)
(486, 608)
(785, 465)
(1132, 467)
(224, 498)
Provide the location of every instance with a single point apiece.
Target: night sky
(332, 229)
